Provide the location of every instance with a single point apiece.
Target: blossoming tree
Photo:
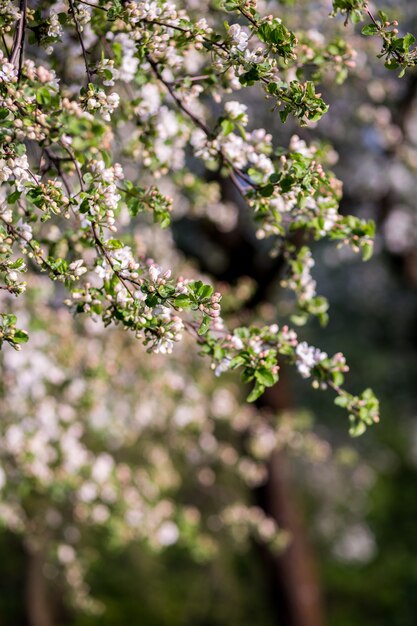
(117, 119)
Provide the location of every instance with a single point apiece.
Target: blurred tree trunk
(38, 604)
(294, 570)
(294, 576)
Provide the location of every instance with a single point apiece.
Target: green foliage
(10, 333)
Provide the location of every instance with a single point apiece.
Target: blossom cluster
(77, 181)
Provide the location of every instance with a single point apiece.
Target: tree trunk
(294, 576)
(38, 605)
(295, 569)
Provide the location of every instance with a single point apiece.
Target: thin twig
(56, 162)
(178, 101)
(94, 6)
(19, 39)
(199, 123)
(109, 260)
(395, 53)
(5, 45)
(80, 39)
(9, 288)
(36, 251)
(248, 17)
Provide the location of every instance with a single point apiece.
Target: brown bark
(295, 569)
(38, 604)
(294, 574)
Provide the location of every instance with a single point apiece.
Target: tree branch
(80, 39)
(19, 39)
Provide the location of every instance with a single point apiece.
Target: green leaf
(357, 429)
(408, 41)
(206, 291)
(283, 115)
(85, 205)
(367, 250)
(342, 401)
(267, 191)
(369, 29)
(114, 244)
(88, 178)
(237, 361)
(14, 197)
(391, 64)
(182, 301)
(204, 326)
(20, 336)
(227, 127)
(256, 392)
(197, 286)
(43, 96)
(264, 376)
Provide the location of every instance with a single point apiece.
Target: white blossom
(308, 357)
(238, 36)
